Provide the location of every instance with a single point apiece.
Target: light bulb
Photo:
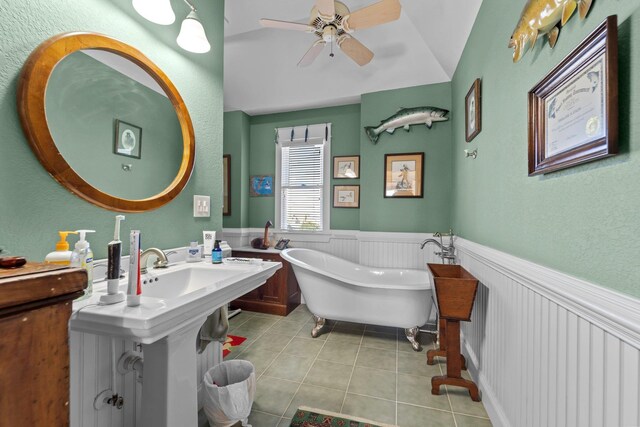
(192, 36)
(156, 11)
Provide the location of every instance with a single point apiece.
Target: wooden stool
(455, 292)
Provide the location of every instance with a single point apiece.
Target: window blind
(302, 171)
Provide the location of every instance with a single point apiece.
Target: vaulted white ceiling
(260, 64)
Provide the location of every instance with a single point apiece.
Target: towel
(214, 329)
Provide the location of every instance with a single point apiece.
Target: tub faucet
(447, 253)
(161, 262)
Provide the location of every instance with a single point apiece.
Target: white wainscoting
(545, 348)
(376, 249)
(548, 349)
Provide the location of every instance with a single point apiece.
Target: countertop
(271, 250)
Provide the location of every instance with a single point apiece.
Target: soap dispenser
(83, 257)
(62, 255)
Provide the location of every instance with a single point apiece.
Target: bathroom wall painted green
(236, 144)
(32, 205)
(83, 99)
(583, 221)
(432, 212)
(345, 128)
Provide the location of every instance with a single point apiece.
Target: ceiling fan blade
(355, 50)
(285, 25)
(326, 7)
(312, 53)
(378, 13)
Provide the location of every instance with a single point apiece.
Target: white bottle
(193, 253)
(83, 257)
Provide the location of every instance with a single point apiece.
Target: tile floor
(366, 371)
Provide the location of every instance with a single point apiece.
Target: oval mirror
(106, 122)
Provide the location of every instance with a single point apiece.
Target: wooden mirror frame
(31, 108)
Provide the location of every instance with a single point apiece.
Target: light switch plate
(201, 206)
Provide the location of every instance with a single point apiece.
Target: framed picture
(261, 186)
(346, 196)
(226, 185)
(573, 111)
(473, 111)
(403, 176)
(127, 140)
(346, 167)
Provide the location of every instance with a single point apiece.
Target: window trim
(326, 189)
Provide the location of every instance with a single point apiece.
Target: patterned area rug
(232, 341)
(310, 417)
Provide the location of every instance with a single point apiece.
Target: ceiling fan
(331, 21)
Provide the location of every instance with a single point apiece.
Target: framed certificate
(573, 111)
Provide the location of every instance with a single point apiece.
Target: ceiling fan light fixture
(329, 33)
(157, 11)
(192, 36)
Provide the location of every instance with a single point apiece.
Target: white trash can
(230, 388)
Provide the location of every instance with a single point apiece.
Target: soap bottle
(216, 254)
(83, 257)
(62, 254)
(193, 252)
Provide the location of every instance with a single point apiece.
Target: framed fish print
(573, 111)
(346, 167)
(403, 177)
(472, 112)
(346, 196)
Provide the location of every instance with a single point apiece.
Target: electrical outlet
(201, 206)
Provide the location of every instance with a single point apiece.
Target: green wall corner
(584, 220)
(421, 215)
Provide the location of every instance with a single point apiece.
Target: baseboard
(488, 396)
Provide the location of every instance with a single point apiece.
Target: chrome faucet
(447, 253)
(161, 262)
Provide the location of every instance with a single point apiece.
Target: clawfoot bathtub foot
(319, 325)
(412, 334)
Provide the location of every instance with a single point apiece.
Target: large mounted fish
(540, 17)
(406, 117)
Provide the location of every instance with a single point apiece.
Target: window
(302, 167)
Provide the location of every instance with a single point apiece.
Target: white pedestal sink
(175, 303)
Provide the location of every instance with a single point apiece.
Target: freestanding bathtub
(336, 289)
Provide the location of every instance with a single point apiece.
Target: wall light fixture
(157, 11)
(192, 36)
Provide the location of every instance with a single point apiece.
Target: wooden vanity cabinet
(35, 306)
(280, 295)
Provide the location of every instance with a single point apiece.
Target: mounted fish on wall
(540, 17)
(405, 118)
